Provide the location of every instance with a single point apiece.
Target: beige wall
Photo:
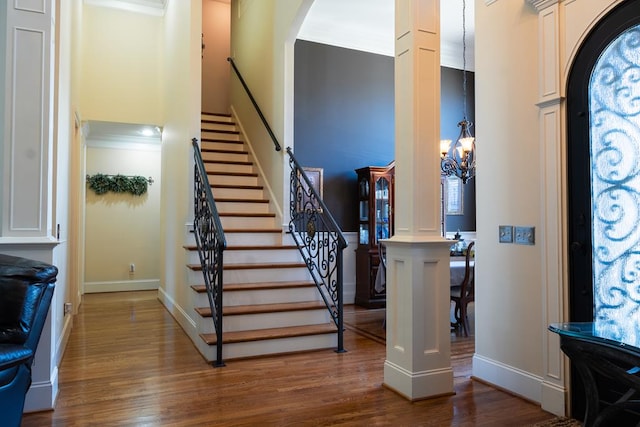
(216, 27)
(122, 228)
(122, 61)
(262, 37)
(183, 20)
(522, 60)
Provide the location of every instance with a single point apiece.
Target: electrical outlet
(132, 268)
(68, 308)
(525, 235)
(505, 234)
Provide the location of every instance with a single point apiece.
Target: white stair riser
(216, 117)
(250, 322)
(226, 167)
(239, 239)
(245, 256)
(228, 157)
(257, 275)
(205, 126)
(218, 145)
(252, 256)
(247, 222)
(238, 193)
(230, 207)
(205, 134)
(256, 348)
(263, 296)
(253, 275)
(233, 180)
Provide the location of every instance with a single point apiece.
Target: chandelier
(459, 159)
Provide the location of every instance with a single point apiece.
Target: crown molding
(539, 5)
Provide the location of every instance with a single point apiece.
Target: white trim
(515, 380)
(120, 286)
(41, 395)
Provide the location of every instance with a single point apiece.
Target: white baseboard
(507, 377)
(121, 286)
(187, 323)
(42, 394)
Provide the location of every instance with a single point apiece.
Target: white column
(26, 121)
(418, 362)
(26, 165)
(553, 155)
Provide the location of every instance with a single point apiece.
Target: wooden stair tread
(253, 230)
(220, 151)
(226, 162)
(238, 310)
(229, 200)
(209, 113)
(254, 266)
(251, 174)
(238, 187)
(248, 247)
(273, 333)
(230, 132)
(217, 122)
(248, 214)
(228, 141)
(257, 286)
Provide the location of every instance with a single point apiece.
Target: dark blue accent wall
(344, 120)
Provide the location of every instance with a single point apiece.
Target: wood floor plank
(128, 363)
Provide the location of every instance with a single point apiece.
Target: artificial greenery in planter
(101, 184)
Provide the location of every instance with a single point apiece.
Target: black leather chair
(26, 289)
(463, 294)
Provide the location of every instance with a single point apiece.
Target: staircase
(270, 303)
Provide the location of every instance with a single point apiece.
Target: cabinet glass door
(382, 209)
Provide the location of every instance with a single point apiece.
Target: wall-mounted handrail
(211, 243)
(255, 104)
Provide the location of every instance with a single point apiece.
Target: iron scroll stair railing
(314, 230)
(211, 244)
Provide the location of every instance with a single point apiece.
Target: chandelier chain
(464, 59)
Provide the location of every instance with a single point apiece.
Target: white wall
(181, 97)
(262, 37)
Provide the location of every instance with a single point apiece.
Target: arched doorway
(603, 114)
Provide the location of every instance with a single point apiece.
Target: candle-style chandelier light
(459, 159)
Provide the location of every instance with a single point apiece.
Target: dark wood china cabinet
(375, 222)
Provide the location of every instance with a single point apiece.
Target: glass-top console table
(609, 369)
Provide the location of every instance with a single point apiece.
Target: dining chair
(463, 294)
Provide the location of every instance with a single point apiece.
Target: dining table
(456, 264)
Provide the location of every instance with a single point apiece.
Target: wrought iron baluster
(211, 244)
(319, 240)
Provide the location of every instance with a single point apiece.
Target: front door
(603, 113)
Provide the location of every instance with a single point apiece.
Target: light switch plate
(505, 234)
(525, 235)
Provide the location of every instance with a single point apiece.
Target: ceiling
(368, 25)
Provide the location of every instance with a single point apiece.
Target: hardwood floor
(128, 363)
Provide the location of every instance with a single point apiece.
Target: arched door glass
(614, 104)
